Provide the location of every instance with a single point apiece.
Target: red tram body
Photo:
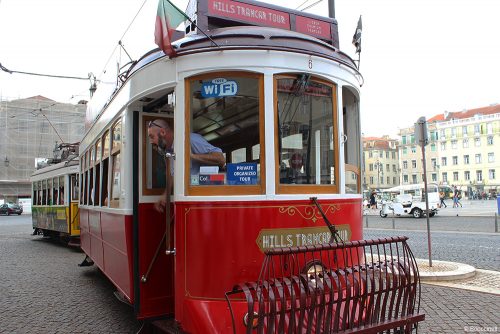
(288, 124)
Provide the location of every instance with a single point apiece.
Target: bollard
(393, 223)
(496, 222)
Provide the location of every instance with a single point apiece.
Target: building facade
(380, 163)
(469, 157)
(30, 129)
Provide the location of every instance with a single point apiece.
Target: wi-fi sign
(219, 87)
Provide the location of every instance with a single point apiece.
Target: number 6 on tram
(281, 105)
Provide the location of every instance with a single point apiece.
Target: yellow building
(469, 156)
(380, 163)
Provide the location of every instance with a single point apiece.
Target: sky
(419, 57)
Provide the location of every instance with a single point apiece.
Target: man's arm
(212, 158)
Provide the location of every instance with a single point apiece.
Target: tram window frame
(151, 160)
(285, 188)
(50, 198)
(212, 190)
(40, 193)
(105, 168)
(91, 195)
(116, 158)
(86, 181)
(34, 193)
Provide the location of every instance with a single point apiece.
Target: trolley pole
(422, 140)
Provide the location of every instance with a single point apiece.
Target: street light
(380, 170)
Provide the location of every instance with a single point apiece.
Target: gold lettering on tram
(296, 237)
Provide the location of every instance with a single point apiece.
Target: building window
(412, 139)
(394, 169)
(443, 161)
(453, 132)
(433, 147)
(491, 157)
(477, 142)
(413, 149)
(394, 155)
(464, 130)
(433, 163)
(489, 129)
(414, 178)
(491, 174)
(370, 154)
(455, 160)
(490, 140)
(414, 164)
(476, 129)
(387, 154)
(403, 139)
(465, 143)
(455, 176)
(479, 175)
(405, 151)
(387, 168)
(405, 179)
(443, 146)
(478, 158)
(370, 167)
(388, 180)
(405, 164)
(454, 144)
(444, 177)
(434, 177)
(443, 136)
(434, 135)
(393, 180)
(467, 175)
(371, 179)
(466, 159)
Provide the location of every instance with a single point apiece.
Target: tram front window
(306, 130)
(226, 111)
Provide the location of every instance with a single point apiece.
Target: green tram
(55, 202)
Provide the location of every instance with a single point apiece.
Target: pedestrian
(373, 200)
(441, 199)
(161, 137)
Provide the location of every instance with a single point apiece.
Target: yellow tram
(55, 201)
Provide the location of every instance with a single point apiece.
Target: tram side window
(91, 176)
(86, 176)
(82, 178)
(40, 193)
(74, 188)
(116, 181)
(306, 131)
(226, 110)
(98, 151)
(44, 192)
(153, 178)
(49, 192)
(105, 168)
(61, 190)
(352, 144)
(55, 191)
(34, 195)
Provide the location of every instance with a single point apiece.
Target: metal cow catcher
(365, 286)
(267, 90)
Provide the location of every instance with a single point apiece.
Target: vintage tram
(54, 201)
(269, 87)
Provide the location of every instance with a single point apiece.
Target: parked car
(10, 208)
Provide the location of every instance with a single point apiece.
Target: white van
(410, 200)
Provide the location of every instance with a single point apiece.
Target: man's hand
(162, 203)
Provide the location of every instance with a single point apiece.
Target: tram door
(155, 286)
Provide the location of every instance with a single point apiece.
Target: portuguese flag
(168, 18)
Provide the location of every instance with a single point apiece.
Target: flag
(168, 18)
(356, 39)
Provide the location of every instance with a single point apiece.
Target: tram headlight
(255, 320)
(315, 271)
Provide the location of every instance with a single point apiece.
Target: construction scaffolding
(30, 129)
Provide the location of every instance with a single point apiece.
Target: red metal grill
(365, 286)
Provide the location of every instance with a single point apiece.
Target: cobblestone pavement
(44, 291)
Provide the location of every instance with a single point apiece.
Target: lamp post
(379, 171)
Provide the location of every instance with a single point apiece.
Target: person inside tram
(161, 137)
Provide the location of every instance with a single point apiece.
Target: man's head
(160, 134)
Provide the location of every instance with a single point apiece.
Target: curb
(444, 270)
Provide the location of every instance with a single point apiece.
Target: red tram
(271, 89)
